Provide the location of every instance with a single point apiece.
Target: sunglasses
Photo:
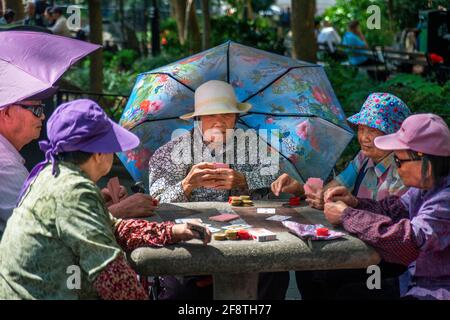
(399, 162)
(36, 109)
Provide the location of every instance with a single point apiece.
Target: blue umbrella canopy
(292, 98)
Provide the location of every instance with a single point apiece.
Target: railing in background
(113, 104)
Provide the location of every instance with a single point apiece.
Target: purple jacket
(412, 230)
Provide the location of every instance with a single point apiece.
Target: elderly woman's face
(411, 171)
(366, 137)
(214, 127)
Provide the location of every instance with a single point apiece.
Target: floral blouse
(166, 175)
(61, 229)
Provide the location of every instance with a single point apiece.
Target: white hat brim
(241, 108)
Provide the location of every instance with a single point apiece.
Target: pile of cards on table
(262, 235)
(312, 231)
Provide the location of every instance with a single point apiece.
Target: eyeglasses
(36, 109)
(399, 162)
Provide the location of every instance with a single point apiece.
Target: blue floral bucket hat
(382, 111)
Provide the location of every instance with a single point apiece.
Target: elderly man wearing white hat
(216, 113)
(172, 180)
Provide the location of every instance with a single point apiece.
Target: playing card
(114, 189)
(193, 220)
(312, 185)
(220, 165)
(236, 227)
(266, 210)
(224, 217)
(278, 218)
(213, 230)
(198, 228)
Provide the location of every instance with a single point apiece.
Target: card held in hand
(114, 189)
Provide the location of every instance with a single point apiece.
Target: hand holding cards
(200, 231)
(313, 185)
(114, 189)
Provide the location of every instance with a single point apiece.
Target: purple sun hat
(426, 133)
(382, 111)
(81, 125)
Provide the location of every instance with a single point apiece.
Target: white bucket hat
(216, 97)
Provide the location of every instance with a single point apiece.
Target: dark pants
(271, 286)
(349, 284)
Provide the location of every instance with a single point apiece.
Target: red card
(224, 217)
(221, 165)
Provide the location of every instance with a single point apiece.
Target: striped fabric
(12, 175)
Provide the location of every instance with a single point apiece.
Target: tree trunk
(17, 7)
(391, 14)
(122, 21)
(302, 26)
(179, 9)
(192, 30)
(95, 36)
(248, 10)
(156, 42)
(144, 41)
(206, 43)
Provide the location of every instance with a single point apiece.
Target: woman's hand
(340, 194)
(108, 198)
(136, 205)
(334, 212)
(182, 232)
(316, 199)
(285, 183)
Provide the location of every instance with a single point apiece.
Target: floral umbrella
(291, 96)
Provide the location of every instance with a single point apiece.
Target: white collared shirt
(12, 176)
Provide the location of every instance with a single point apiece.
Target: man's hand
(136, 205)
(227, 179)
(285, 183)
(334, 211)
(181, 232)
(341, 194)
(200, 175)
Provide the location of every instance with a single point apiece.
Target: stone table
(235, 265)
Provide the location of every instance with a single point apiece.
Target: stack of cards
(197, 221)
(261, 234)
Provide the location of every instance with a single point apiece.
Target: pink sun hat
(426, 133)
